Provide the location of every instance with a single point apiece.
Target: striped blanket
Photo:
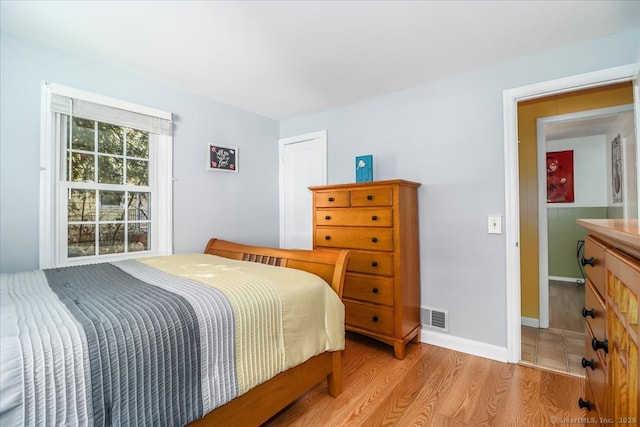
(155, 341)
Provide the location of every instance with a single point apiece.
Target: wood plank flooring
(434, 386)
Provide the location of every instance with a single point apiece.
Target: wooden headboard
(326, 263)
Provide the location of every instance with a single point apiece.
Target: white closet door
(303, 163)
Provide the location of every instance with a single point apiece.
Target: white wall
(589, 170)
(449, 136)
(206, 203)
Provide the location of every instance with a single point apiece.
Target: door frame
(511, 98)
(322, 136)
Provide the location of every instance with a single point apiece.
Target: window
(105, 184)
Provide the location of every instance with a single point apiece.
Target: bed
(227, 337)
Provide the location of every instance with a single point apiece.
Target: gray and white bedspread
(157, 341)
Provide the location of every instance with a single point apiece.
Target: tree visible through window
(107, 177)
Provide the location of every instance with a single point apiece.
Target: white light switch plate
(495, 225)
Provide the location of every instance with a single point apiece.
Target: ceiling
(606, 124)
(282, 59)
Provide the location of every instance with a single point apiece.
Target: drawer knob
(374, 218)
(374, 290)
(374, 239)
(590, 363)
(331, 199)
(375, 318)
(584, 404)
(327, 237)
(374, 264)
(595, 344)
(369, 197)
(328, 217)
(591, 312)
(591, 261)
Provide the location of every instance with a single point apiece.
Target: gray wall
(449, 136)
(242, 207)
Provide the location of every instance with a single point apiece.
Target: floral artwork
(364, 168)
(560, 177)
(223, 158)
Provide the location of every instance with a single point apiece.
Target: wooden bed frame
(264, 401)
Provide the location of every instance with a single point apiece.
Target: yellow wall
(528, 113)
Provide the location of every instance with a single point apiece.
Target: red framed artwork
(560, 177)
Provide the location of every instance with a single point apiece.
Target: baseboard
(529, 321)
(566, 279)
(463, 345)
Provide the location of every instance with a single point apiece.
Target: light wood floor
(434, 386)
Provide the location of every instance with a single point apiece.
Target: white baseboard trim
(476, 348)
(529, 321)
(566, 279)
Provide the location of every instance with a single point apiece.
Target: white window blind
(92, 111)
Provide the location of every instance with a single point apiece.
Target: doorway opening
(518, 246)
(583, 188)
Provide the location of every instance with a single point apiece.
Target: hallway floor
(553, 349)
(561, 347)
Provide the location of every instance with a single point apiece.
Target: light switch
(495, 225)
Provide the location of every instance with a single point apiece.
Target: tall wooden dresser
(612, 264)
(378, 221)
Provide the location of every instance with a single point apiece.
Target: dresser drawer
(594, 309)
(331, 199)
(593, 249)
(371, 197)
(374, 289)
(595, 378)
(374, 318)
(380, 239)
(380, 263)
(359, 217)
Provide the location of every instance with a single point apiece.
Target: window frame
(53, 215)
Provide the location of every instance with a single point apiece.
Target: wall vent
(435, 318)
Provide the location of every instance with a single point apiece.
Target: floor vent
(435, 318)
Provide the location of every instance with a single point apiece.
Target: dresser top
(625, 231)
(367, 184)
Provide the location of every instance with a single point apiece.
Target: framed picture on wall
(222, 158)
(616, 170)
(560, 177)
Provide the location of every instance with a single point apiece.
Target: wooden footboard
(264, 401)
